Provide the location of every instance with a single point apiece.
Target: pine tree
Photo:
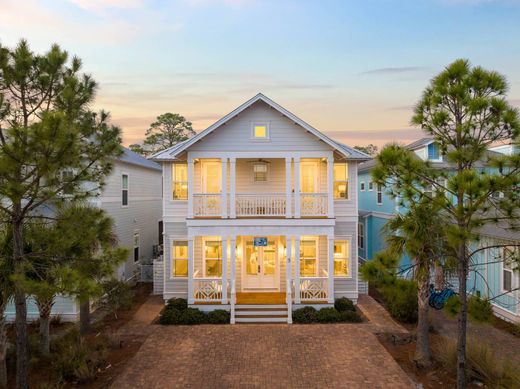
(50, 144)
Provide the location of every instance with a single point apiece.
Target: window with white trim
(260, 131)
(212, 257)
(308, 258)
(180, 258)
(340, 181)
(260, 172)
(362, 186)
(361, 235)
(180, 181)
(370, 186)
(507, 268)
(124, 190)
(341, 258)
(379, 194)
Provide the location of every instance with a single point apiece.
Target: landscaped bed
(178, 312)
(344, 311)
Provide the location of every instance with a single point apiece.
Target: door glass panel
(212, 178)
(251, 259)
(308, 178)
(270, 259)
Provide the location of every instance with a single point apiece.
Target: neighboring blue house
(491, 277)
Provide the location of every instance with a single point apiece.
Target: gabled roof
(347, 151)
(419, 143)
(132, 158)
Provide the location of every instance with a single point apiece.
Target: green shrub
(73, 359)
(192, 316)
(117, 295)
(401, 300)
(480, 310)
(350, 317)
(218, 316)
(304, 315)
(169, 316)
(344, 304)
(178, 303)
(328, 315)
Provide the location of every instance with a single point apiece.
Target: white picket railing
(314, 204)
(266, 204)
(313, 288)
(207, 289)
(207, 204)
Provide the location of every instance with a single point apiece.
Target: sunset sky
(352, 69)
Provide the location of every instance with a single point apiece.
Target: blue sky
(353, 69)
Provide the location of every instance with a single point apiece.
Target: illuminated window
(180, 181)
(213, 258)
(260, 172)
(124, 190)
(260, 131)
(341, 181)
(308, 258)
(180, 258)
(341, 250)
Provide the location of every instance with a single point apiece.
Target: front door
(260, 265)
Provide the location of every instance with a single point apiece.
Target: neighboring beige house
(259, 208)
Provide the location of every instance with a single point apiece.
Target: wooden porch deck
(260, 298)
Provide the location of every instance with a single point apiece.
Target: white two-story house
(260, 208)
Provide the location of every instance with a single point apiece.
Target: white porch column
(330, 294)
(297, 293)
(232, 188)
(190, 188)
(224, 268)
(288, 205)
(191, 269)
(330, 186)
(223, 187)
(297, 210)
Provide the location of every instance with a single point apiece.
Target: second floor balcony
(260, 188)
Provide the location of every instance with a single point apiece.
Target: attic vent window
(260, 131)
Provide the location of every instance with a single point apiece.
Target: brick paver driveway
(263, 356)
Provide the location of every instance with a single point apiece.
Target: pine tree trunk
(422, 356)
(3, 349)
(462, 319)
(22, 352)
(45, 308)
(84, 317)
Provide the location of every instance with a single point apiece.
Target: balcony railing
(314, 204)
(207, 204)
(207, 289)
(261, 204)
(313, 288)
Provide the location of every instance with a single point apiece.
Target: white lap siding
(65, 308)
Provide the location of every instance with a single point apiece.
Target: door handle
(258, 269)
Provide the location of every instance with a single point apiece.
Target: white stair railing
(288, 300)
(233, 301)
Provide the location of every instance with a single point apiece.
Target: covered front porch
(230, 269)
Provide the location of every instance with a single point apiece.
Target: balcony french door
(260, 265)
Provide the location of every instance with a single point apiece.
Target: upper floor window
(180, 181)
(370, 186)
(341, 257)
(362, 186)
(180, 258)
(379, 194)
(67, 177)
(434, 152)
(259, 172)
(260, 131)
(124, 189)
(341, 181)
